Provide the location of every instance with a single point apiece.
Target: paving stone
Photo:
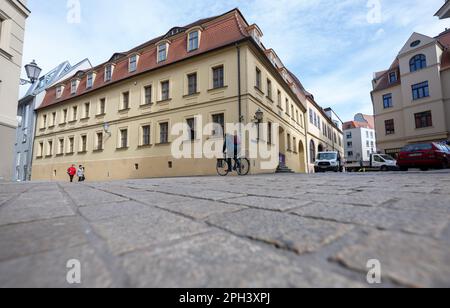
(355, 198)
(83, 195)
(124, 234)
(48, 270)
(223, 261)
(31, 207)
(40, 236)
(203, 193)
(288, 231)
(200, 209)
(278, 204)
(410, 260)
(14, 188)
(426, 223)
(433, 203)
(112, 210)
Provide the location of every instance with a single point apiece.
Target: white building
(359, 138)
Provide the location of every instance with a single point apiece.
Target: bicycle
(242, 166)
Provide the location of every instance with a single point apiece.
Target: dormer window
(59, 91)
(392, 77)
(193, 40)
(108, 72)
(90, 80)
(73, 86)
(256, 33)
(132, 64)
(162, 52)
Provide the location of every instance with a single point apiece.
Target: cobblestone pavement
(256, 231)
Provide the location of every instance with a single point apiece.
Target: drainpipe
(239, 82)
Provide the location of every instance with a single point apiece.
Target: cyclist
(231, 145)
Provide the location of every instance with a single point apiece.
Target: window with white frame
(59, 91)
(145, 135)
(162, 52)
(90, 80)
(148, 95)
(132, 65)
(73, 86)
(193, 40)
(108, 72)
(99, 141)
(165, 90)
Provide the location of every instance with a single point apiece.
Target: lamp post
(259, 116)
(33, 71)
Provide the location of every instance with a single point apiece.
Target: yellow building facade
(116, 119)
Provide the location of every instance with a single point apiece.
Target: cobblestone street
(256, 231)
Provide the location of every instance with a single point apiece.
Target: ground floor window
(423, 119)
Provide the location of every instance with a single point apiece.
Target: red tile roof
(217, 32)
(370, 120)
(355, 124)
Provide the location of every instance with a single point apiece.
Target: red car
(424, 156)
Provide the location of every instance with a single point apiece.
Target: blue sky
(329, 44)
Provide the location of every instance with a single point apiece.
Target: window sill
(60, 154)
(164, 101)
(70, 153)
(424, 128)
(269, 99)
(146, 106)
(122, 148)
(145, 146)
(217, 89)
(191, 95)
(258, 89)
(51, 126)
(73, 121)
(100, 115)
(63, 124)
(279, 107)
(39, 157)
(98, 150)
(48, 156)
(420, 99)
(85, 118)
(82, 152)
(125, 110)
(163, 143)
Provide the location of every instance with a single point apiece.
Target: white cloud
(328, 43)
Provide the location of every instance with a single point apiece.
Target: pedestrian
(71, 172)
(231, 148)
(80, 174)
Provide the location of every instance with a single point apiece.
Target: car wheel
(424, 169)
(403, 168)
(445, 164)
(384, 168)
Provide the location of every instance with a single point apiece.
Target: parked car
(424, 156)
(328, 161)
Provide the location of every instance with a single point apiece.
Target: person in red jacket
(71, 172)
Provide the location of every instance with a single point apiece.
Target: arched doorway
(312, 151)
(301, 154)
(282, 142)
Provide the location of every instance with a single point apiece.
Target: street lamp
(259, 116)
(33, 71)
(106, 128)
